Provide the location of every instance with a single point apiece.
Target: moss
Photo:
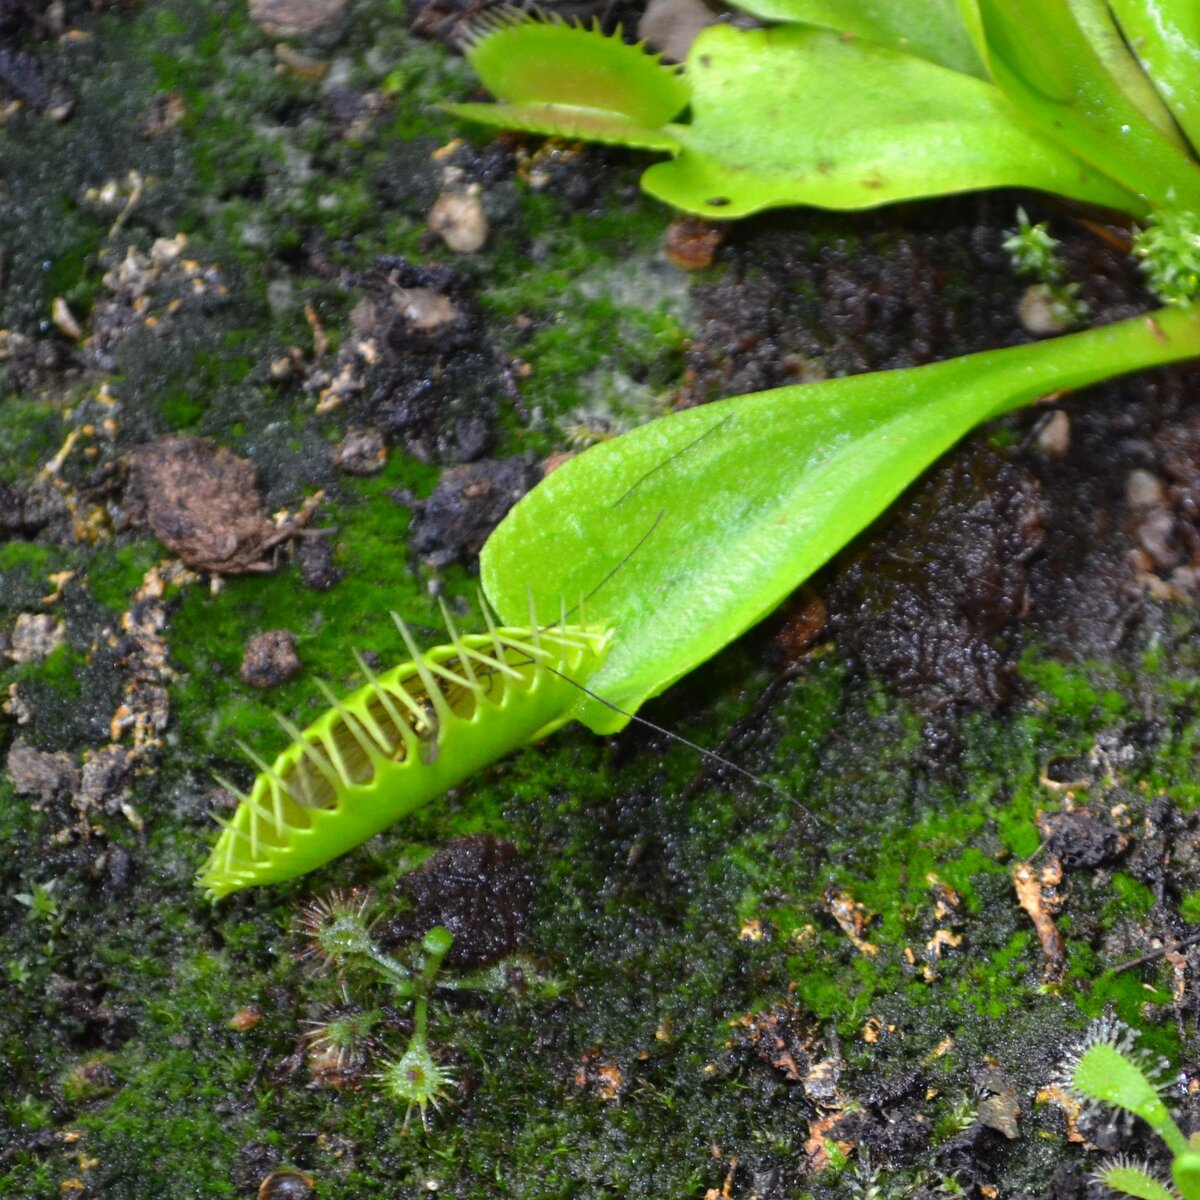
(32, 430)
(116, 570)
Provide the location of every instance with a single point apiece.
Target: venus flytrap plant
(1096, 102)
(1110, 1071)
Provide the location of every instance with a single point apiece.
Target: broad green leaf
(1096, 21)
(1060, 83)
(683, 533)
(524, 60)
(561, 120)
(932, 29)
(794, 115)
(1133, 1181)
(1185, 1170)
(1165, 35)
(968, 11)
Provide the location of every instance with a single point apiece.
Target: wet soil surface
(252, 400)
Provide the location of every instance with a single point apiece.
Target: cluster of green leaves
(681, 534)
(1110, 1070)
(921, 99)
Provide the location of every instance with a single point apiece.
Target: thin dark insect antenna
(637, 483)
(695, 747)
(708, 755)
(662, 512)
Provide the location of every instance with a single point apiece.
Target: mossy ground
(672, 898)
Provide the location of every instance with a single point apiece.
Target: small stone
(105, 773)
(246, 1018)
(318, 571)
(458, 219)
(36, 773)
(424, 309)
(286, 1185)
(1143, 489)
(1041, 313)
(270, 659)
(691, 243)
(360, 452)
(294, 18)
(35, 637)
(1054, 437)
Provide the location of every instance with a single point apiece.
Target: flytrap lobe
(401, 739)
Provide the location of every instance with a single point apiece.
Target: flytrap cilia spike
(401, 739)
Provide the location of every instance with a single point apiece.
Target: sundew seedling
(338, 929)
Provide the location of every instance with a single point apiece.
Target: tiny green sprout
(1110, 1070)
(1033, 251)
(40, 901)
(1169, 248)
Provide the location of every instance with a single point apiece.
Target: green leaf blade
(932, 29)
(1165, 36)
(794, 115)
(1060, 81)
(683, 533)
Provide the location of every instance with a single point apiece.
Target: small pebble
(295, 18)
(318, 571)
(424, 309)
(1054, 437)
(246, 1018)
(458, 219)
(270, 659)
(360, 452)
(1143, 489)
(286, 1185)
(1040, 313)
(691, 243)
(35, 636)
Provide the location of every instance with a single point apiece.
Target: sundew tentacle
(401, 739)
